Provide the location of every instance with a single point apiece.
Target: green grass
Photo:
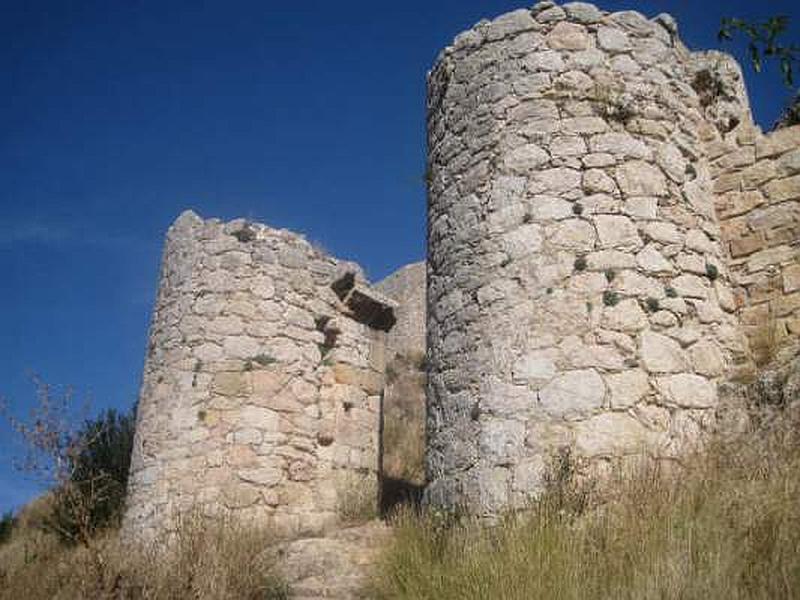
(727, 526)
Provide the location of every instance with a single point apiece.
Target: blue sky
(116, 116)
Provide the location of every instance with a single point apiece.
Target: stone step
(335, 566)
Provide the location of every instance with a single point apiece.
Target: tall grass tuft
(724, 526)
(222, 559)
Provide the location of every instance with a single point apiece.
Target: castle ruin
(610, 238)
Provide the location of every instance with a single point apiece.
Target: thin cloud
(49, 234)
(35, 233)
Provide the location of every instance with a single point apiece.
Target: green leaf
(755, 57)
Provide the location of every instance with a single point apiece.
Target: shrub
(7, 522)
(94, 497)
(85, 467)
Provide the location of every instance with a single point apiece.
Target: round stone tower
(577, 289)
(262, 384)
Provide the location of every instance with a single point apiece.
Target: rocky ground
(334, 566)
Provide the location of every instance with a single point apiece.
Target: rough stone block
(583, 12)
(688, 391)
(778, 142)
(661, 354)
(627, 388)
(617, 232)
(746, 246)
(707, 358)
(611, 435)
(573, 394)
(231, 384)
(568, 36)
(783, 189)
(364, 379)
(791, 278)
(638, 178)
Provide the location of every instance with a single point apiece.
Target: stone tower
(610, 237)
(262, 385)
(579, 292)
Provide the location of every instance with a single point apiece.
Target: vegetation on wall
(765, 42)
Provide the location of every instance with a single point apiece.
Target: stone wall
(262, 383)
(407, 287)
(758, 202)
(608, 236)
(578, 291)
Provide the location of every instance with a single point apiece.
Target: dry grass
(726, 527)
(356, 498)
(206, 560)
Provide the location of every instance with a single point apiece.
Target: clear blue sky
(116, 116)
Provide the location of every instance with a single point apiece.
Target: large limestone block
(617, 232)
(688, 391)
(627, 388)
(626, 316)
(611, 435)
(501, 441)
(583, 12)
(574, 234)
(568, 36)
(231, 384)
(661, 354)
(365, 379)
(638, 178)
(707, 358)
(573, 394)
(535, 368)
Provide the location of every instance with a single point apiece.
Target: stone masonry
(610, 237)
(407, 287)
(580, 291)
(758, 203)
(262, 385)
